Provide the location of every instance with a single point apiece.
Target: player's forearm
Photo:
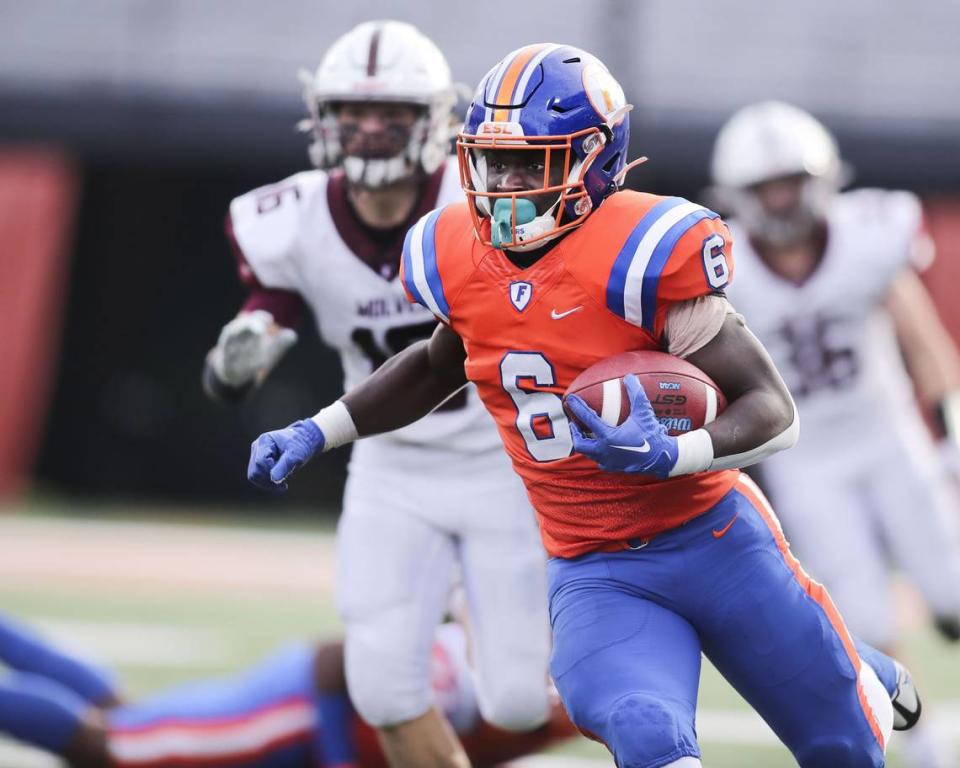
(761, 418)
(754, 426)
(408, 386)
(401, 391)
(404, 389)
(931, 356)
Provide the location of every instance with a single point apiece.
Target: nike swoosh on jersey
(719, 534)
(645, 448)
(560, 315)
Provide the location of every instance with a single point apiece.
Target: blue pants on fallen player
(264, 718)
(629, 628)
(267, 717)
(44, 693)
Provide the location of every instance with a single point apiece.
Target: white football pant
(400, 539)
(850, 529)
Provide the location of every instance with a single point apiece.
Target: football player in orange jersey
(660, 549)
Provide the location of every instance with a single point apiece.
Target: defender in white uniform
(829, 285)
(435, 496)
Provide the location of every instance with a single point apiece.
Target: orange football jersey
(603, 289)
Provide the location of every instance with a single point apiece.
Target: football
(683, 397)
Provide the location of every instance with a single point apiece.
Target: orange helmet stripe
(511, 77)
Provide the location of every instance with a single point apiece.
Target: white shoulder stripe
(419, 269)
(633, 289)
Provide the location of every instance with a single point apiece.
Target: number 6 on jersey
(540, 417)
(715, 262)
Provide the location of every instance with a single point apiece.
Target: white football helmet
(382, 61)
(772, 140)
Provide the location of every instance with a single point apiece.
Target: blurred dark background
(156, 115)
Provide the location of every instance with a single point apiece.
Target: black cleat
(905, 700)
(948, 627)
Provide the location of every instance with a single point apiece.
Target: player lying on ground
(829, 282)
(289, 711)
(426, 500)
(660, 549)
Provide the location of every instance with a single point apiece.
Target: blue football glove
(275, 455)
(640, 444)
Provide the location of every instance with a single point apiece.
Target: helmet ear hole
(612, 163)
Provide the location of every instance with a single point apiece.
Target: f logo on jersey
(520, 294)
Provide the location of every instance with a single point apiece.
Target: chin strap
(527, 226)
(618, 179)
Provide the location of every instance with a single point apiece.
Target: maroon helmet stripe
(372, 56)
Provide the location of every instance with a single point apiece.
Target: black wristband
(218, 390)
(946, 415)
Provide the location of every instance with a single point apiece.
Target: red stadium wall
(38, 195)
(943, 277)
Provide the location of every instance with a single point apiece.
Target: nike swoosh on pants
(717, 534)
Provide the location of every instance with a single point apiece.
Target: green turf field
(163, 603)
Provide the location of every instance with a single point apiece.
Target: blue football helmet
(554, 99)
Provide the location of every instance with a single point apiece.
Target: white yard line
(126, 556)
(139, 644)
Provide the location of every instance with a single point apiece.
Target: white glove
(249, 343)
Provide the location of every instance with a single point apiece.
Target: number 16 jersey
(299, 236)
(831, 337)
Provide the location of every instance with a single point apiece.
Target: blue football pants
(629, 628)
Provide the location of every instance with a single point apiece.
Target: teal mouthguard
(502, 225)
